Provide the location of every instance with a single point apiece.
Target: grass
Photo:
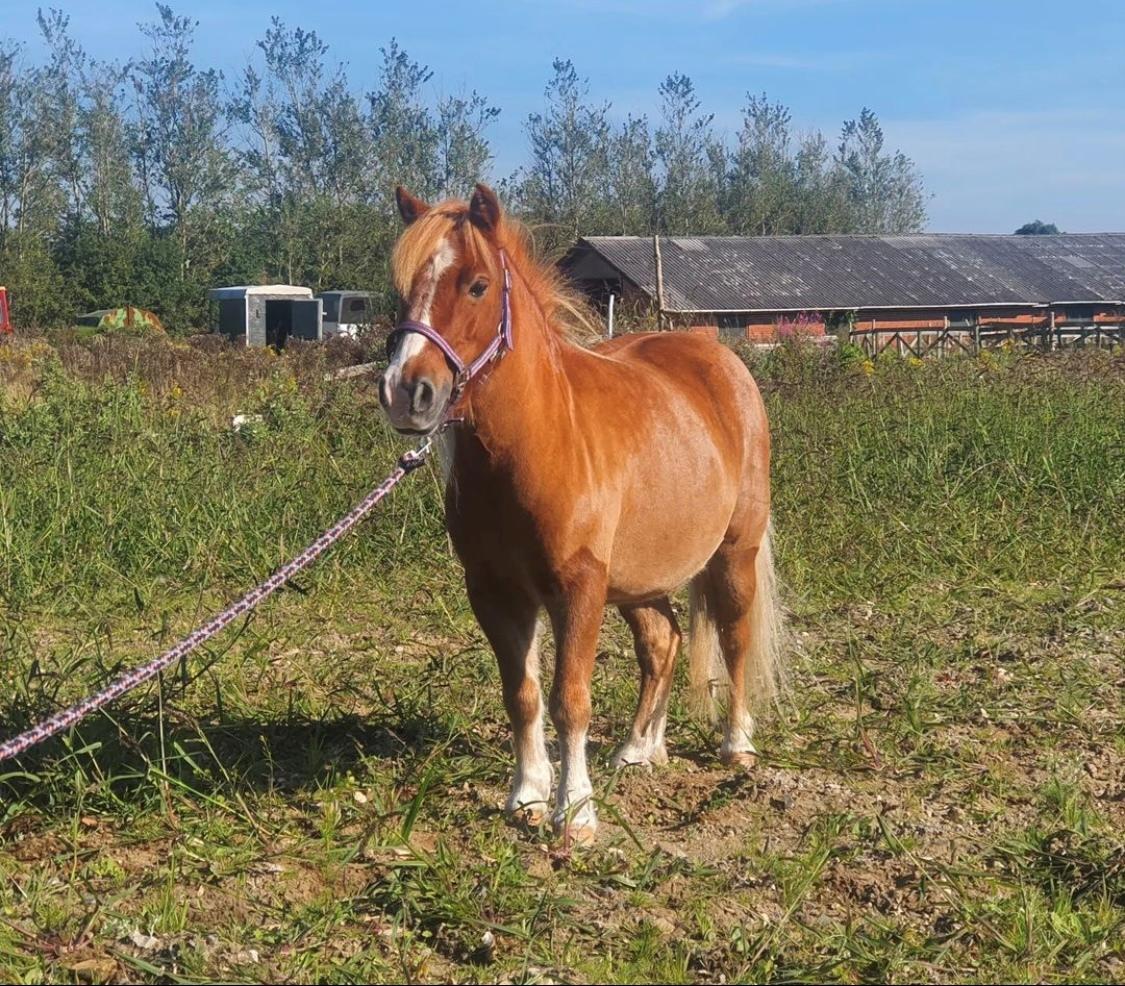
(315, 796)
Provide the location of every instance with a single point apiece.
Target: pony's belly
(662, 557)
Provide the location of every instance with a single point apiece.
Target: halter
(463, 374)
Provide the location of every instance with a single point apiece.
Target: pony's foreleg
(576, 619)
(509, 620)
(656, 637)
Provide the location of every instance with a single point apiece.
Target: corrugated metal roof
(793, 273)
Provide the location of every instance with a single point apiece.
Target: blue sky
(1012, 110)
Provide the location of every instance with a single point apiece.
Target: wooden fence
(971, 336)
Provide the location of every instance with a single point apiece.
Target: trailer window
(357, 309)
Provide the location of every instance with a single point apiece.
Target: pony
(579, 477)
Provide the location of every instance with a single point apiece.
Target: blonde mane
(564, 311)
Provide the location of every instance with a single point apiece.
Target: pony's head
(448, 273)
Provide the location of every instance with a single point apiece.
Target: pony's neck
(528, 389)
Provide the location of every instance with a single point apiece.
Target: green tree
(1037, 228)
(632, 180)
(179, 140)
(305, 151)
(462, 145)
(686, 151)
(563, 186)
(111, 195)
(402, 128)
(762, 193)
(884, 190)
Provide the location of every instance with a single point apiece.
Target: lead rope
(126, 682)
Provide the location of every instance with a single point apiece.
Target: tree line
(147, 181)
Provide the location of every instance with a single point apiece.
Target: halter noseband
(462, 374)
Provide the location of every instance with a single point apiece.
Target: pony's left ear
(409, 207)
(484, 208)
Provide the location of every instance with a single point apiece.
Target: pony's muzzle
(413, 406)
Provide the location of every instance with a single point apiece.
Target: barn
(913, 292)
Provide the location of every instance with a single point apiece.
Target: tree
(884, 190)
(564, 185)
(307, 154)
(762, 194)
(1037, 228)
(685, 148)
(179, 136)
(61, 87)
(632, 182)
(463, 149)
(402, 128)
(111, 196)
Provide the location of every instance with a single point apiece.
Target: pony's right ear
(409, 207)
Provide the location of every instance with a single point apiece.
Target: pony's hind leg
(509, 620)
(736, 607)
(656, 638)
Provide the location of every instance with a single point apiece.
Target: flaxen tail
(763, 669)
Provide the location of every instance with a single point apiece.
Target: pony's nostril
(423, 398)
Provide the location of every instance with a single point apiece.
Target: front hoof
(740, 760)
(529, 813)
(576, 826)
(533, 816)
(574, 834)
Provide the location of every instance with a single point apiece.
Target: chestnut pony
(580, 477)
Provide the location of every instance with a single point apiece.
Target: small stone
(144, 942)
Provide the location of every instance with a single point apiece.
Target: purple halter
(462, 373)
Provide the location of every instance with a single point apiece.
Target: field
(315, 797)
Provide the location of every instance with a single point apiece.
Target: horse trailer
(267, 314)
(347, 312)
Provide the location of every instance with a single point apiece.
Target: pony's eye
(478, 289)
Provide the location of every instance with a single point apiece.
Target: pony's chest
(510, 529)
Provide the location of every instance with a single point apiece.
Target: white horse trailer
(267, 314)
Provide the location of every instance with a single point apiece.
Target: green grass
(315, 795)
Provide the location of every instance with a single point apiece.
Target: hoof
(576, 835)
(532, 815)
(575, 825)
(742, 760)
(629, 756)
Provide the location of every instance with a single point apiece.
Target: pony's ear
(484, 208)
(409, 207)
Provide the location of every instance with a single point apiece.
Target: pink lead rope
(463, 375)
(131, 679)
